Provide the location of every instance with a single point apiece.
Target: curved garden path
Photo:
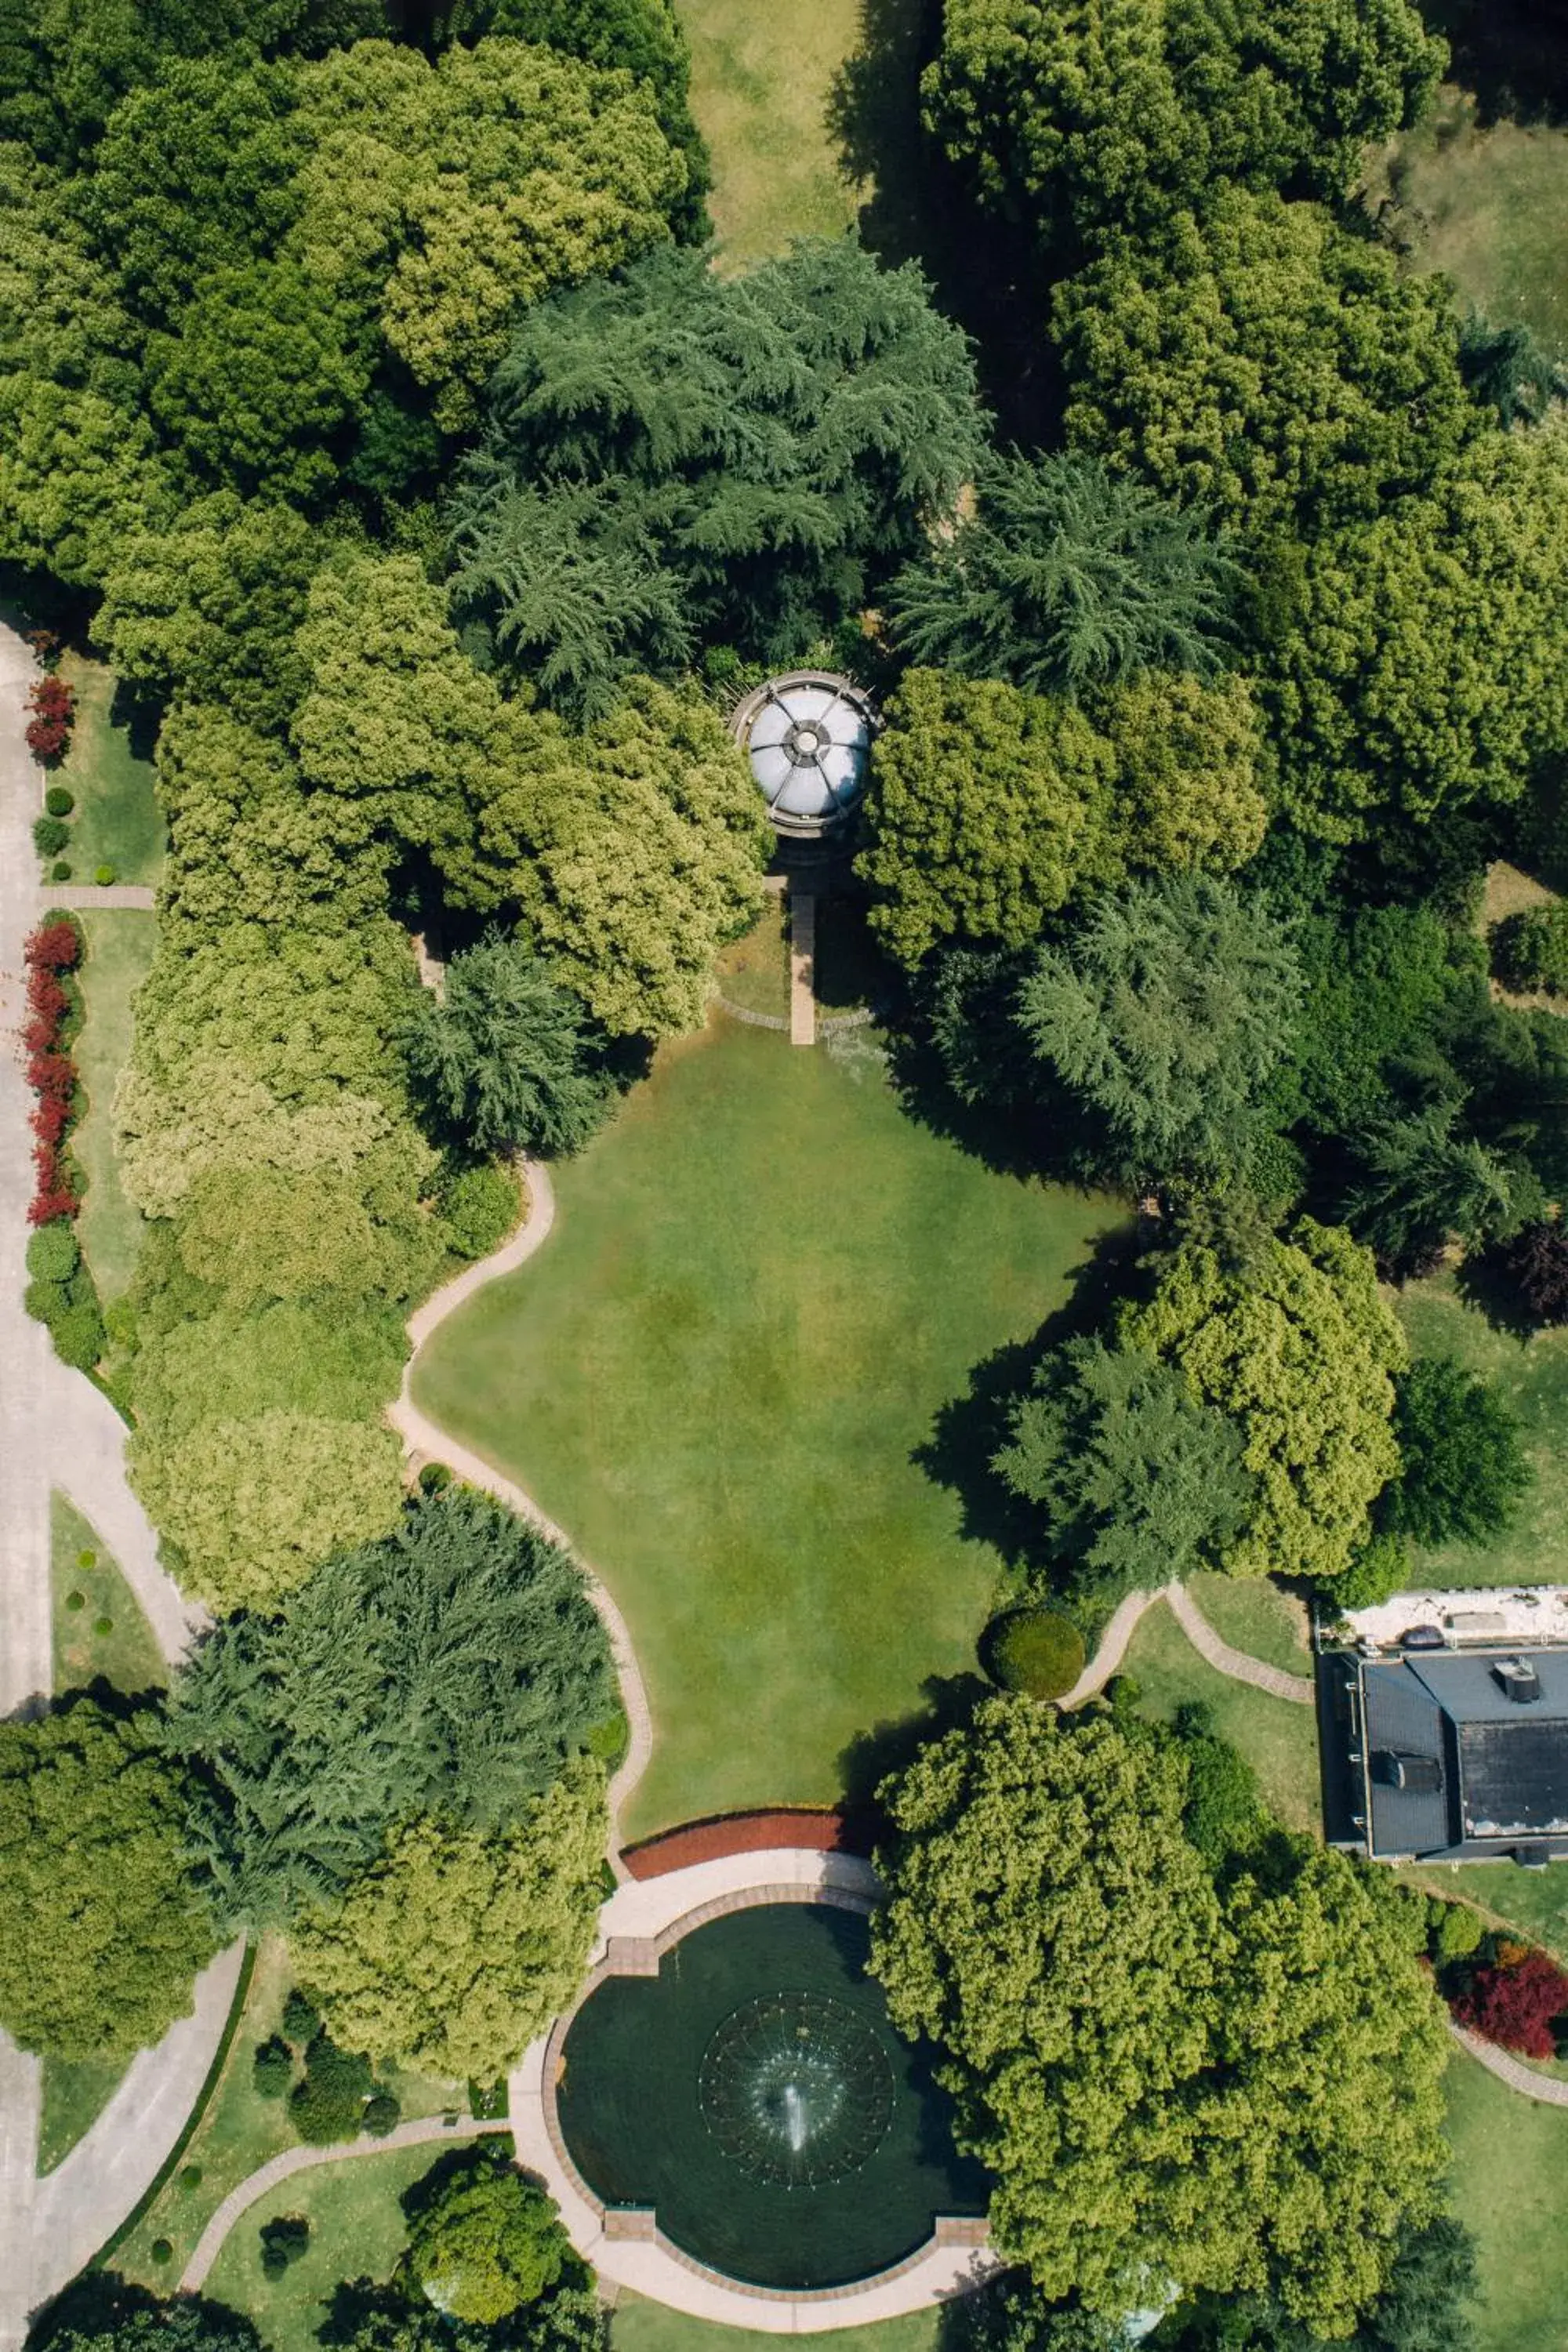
(1548, 2088)
(1242, 1668)
(291, 2160)
(57, 1430)
(424, 1438)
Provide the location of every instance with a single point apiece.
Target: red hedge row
(49, 731)
(52, 949)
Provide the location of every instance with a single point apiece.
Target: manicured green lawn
(642, 2326)
(126, 1656)
(763, 1284)
(116, 820)
(120, 943)
(240, 2130)
(357, 2231)
(1510, 2160)
(1253, 1614)
(1532, 1902)
(761, 78)
(753, 971)
(1533, 1376)
(1278, 1737)
(74, 2098)
(1490, 208)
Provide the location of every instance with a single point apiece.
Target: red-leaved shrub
(49, 729)
(56, 947)
(1515, 2004)
(52, 949)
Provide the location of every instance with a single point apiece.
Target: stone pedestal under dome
(807, 735)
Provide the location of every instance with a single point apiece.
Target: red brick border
(710, 1841)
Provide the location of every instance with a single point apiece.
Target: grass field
(763, 1284)
(639, 2326)
(753, 971)
(240, 2130)
(1510, 2159)
(126, 1656)
(1533, 1376)
(761, 78)
(357, 2231)
(119, 942)
(1278, 1737)
(1489, 206)
(1255, 1615)
(74, 2098)
(117, 820)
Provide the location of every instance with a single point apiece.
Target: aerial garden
(416, 436)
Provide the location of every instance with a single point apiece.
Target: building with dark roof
(1446, 1755)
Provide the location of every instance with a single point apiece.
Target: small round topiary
(435, 1478)
(61, 871)
(162, 2251)
(101, 1625)
(190, 2176)
(75, 1600)
(59, 801)
(86, 1560)
(1037, 1651)
(383, 2113)
(103, 875)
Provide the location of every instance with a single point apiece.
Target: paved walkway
(57, 1430)
(802, 968)
(1547, 2088)
(1123, 1624)
(424, 1438)
(83, 899)
(284, 2167)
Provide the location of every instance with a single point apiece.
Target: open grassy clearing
(1278, 1737)
(639, 2326)
(1510, 2158)
(1531, 1375)
(117, 821)
(126, 1654)
(1488, 206)
(357, 2231)
(1255, 1615)
(120, 943)
(761, 78)
(753, 971)
(763, 1284)
(240, 2130)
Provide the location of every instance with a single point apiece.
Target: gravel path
(1234, 1662)
(1546, 2089)
(302, 2159)
(424, 1440)
(82, 898)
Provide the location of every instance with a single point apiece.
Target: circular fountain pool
(755, 2095)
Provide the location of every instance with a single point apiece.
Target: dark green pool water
(755, 2094)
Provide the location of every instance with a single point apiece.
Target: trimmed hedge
(1037, 1651)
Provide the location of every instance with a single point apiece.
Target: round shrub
(1038, 1651)
(381, 2115)
(272, 2068)
(190, 2176)
(61, 871)
(59, 800)
(162, 2251)
(283, 2240)
(53, 1250)
(86, 1560)
(302, 2019)
(46, 1302)
(103, 875)
(481, 1207)
(75, 1601)
(435, 1478)
(78, 1335)
(103, 1626)
(50, 834)
(1458, 1933)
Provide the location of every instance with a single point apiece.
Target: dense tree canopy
(453, 1951)
(677, 456)
(1296, 1347)
(485, 2240)
(503, 1060)
(1462, 1469)
(102, 2312)
(101, 1932)
(1167, 2080)
(1066, 575)
(479, 1667)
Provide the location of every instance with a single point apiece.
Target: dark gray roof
(1404, 1719)
(1466, 1687)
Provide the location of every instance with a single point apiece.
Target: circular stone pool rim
(642, 1921)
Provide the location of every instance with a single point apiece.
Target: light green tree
(987, 809)
(1189, 753)
(252, 1507)
(101, 1933)
(458, 1948)
(1297, 1347)
(487, 2242)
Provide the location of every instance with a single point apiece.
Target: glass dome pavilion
(807, 736)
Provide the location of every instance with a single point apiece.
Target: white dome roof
(808, 737)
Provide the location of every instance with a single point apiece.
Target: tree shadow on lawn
(892, 1745)
(969, 1430)
(1513, 54)
(1484, 1282)
(986, 274)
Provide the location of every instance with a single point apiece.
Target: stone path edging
(642, 1920)
(1123, 1624)
(77, 898)
(416, 2133)
(421, 1435)
(1549, 2089)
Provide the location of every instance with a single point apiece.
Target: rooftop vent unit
(1518, 1680)
(1420, 1775)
